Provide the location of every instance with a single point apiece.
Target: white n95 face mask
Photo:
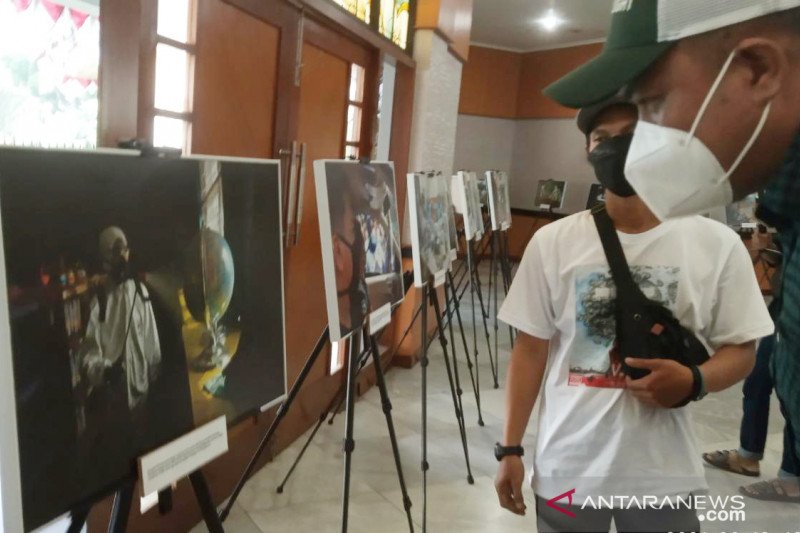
(674, 172)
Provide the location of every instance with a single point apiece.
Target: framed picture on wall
(550, 194)
(597, 195)
(742, 214)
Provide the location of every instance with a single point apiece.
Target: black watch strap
(698, 389)
(504, 451)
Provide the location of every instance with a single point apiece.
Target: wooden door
(236, 76)
(321, 125)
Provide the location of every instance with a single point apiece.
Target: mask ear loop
(749, 144)
(710, 95)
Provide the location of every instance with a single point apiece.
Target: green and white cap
(641, 32)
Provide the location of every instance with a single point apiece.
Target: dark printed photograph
(430, 225)
(133, 316)
(360, 238)
(550, 194)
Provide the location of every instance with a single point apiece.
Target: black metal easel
(474, 371)
(281, 414)
(354, 360)
(475, 288)
(123, 500)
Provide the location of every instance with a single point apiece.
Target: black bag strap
(627, 289)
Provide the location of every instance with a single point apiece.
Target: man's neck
(630, 215)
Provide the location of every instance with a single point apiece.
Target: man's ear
(767, 64)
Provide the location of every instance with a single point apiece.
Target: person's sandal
(728, 460)
(770, 491)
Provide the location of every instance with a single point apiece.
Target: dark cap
(587, 116)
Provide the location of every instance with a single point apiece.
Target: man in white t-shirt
(609, 446)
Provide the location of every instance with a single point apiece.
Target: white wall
(484, 143)
(530, 150)
(550, 149)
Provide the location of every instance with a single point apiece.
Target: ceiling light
(551, 20)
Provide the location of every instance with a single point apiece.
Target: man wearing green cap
(716, 83)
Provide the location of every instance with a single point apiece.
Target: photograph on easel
(742, 214)
(466, 199)
(360, 239)
(430, 226)
(550, 194)
(118, 285)
(499, 200)
(451, 218)
(232, 310)
(483, 188)
(597, 196)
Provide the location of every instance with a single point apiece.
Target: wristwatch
(699, 387)
(504, 451)
(698, 391)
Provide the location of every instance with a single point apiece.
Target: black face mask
(608, 160)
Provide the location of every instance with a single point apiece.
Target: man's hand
(508, 484)
(667, 384)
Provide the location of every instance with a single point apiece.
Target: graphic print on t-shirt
(594, 361)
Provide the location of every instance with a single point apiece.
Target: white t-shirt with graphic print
(593, 435)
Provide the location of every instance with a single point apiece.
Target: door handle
(290, 196)
(301, 187)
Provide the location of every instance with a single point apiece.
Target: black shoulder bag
(645, 328)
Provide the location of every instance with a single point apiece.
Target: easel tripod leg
(210, 516)
(349, 443)
(387, 411)
(121, 508)
(459, 413)
(472, 371)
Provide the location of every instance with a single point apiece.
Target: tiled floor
(311, 501)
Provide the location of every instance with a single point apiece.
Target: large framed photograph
(430, 227)
(232, 341)
(550, 194)
(144, 298)
(466, 199)
(499, 200)
(360, 239)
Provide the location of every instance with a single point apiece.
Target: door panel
(236, 73)
(321, 124)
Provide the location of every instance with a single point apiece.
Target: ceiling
(511, 24)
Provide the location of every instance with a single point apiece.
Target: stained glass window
(359, 8)
(393, 23)
(400, 26)
(49, 58)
